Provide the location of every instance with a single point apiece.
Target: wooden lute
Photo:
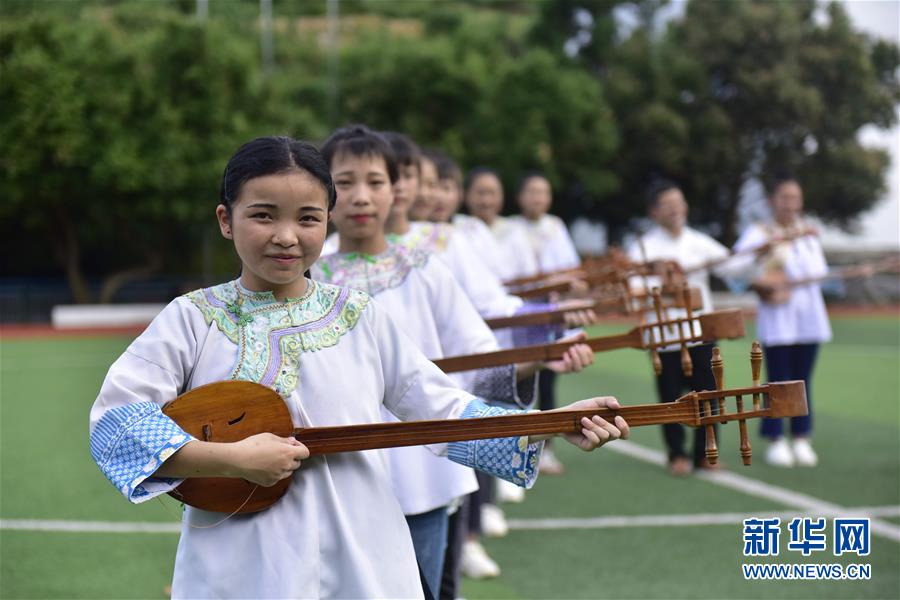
(718, 325)
(230, 411)
(625, 303)
(774, 287)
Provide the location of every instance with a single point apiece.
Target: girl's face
(787, 203)
(535, 198)
(670, 210)
(446, 201)
(484, 199)
(278, 227)
(406, 189)
(424, 202)
(364, 196)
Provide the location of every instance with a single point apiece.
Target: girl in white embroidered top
(446, 203)
(333, 356)
(550, 240)
(792, 328)
(553, 250)
(418, 185)
(484, 200)
(420, 294)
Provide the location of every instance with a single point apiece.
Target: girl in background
(484, 200)
(553, 250)
(430, 307)
(550, 241)
(791, 329)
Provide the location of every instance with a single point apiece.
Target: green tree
(734, 91)
(773, 89)
(115, 133)
(471, 85)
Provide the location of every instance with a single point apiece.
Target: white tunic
(690, 249)
(803, 319)
(550, 242)
(425, 301)
(331, 244)
(518, 258)
(481, 241)
(480, 284)
(336, 359)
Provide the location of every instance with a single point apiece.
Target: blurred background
(119, 116)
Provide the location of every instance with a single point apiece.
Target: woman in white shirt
(790, 330)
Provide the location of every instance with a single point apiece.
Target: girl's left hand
(596, 431)
(575, 359)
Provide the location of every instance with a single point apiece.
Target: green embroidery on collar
(430, 237)
(271, 335)
(362, 256)
(373, 274)
(235, 309)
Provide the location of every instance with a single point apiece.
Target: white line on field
(687, 520)
(518, 524)
(89, 526)
(753, 487)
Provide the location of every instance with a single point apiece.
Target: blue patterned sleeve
(512, 458)
(130, 442)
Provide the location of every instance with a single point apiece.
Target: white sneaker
(779, 454)
(507, 491)
(493, 522)
(475, 563)
(804, 453)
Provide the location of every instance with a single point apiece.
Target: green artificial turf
(47, 387)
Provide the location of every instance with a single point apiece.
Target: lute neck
(326, 440)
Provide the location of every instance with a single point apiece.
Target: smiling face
(535, 198)
(422, 206)
(364, 200)
(278, 227)
(484, 198)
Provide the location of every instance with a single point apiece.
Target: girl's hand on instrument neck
(578, 317)
(595, 431)
(575, 359)
(265, 459)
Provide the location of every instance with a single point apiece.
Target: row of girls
(345, 338)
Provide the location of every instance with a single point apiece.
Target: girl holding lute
(791, 320)
(334, 358)
(423, 298)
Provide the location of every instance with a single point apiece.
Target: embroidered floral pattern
(271, 334)
(512, 459)
(431, 237)
(371, 274)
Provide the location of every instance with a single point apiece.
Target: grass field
(46, 473)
